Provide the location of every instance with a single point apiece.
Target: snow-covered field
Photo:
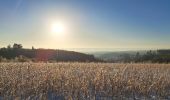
(84, 81)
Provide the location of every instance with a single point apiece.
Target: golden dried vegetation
(84, 81)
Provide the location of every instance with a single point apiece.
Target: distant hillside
(45, 54)
(116, 54)
(155, 56)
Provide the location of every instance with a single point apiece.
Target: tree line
(152, 56)
(18, 53)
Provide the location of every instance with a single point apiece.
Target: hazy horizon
(87, 24)
(91, 50)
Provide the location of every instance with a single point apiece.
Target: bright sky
(130, 24)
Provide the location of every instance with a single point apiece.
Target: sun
(58, 28)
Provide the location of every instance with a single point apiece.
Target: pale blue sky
(132, 24)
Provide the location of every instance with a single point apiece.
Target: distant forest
(18, 53)
(151, 56)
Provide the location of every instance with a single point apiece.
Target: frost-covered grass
(84, 81)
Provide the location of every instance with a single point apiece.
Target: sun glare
(58, 28)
